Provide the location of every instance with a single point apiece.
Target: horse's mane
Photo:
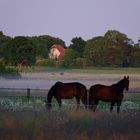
(51, 93)
(119, 85)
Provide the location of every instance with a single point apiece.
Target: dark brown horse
(113, 94)
(67, 91)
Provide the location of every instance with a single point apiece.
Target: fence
(28, 92)
(32, 96)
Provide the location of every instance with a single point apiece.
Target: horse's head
(126, 82)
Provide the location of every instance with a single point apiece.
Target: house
(57, 52)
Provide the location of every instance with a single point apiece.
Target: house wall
(54, 53)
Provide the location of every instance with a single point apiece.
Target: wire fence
(23, 99)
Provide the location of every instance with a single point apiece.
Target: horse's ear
(124, 77)
(127, 77)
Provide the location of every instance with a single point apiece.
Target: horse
(113, 94)
(67, 91)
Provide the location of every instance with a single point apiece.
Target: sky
(67, 19)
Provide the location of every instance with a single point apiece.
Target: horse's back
(73, 85)
(102, 92)
(70, 90)
(98, 87)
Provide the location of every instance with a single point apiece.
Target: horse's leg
(112, 105)
(95, 103)
(118, 106)
(78, 103)
(59, 102)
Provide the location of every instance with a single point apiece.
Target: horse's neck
(119, 86)
(51, 94)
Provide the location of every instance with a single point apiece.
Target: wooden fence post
(28, 94)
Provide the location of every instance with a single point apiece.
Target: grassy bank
(131, 102)
(67, 125)
(83, 70)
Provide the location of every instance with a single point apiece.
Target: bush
(41, 62)
(80, 62)
(50, 62)
(6, 69)
(45, 62)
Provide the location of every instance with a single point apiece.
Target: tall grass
(68, 125)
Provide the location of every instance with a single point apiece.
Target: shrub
(50, 62)
(41, 62)
(6, 69)
(45, 62)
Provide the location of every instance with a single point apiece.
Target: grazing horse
(113, 94)
(67, 91)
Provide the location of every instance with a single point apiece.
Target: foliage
(136, 55)
(50, 63)
(95, 52)
(4, 41)
(43, 44)
(24, 50)
(21, 49)
(40, 62)
(45, 62)
(69, 58)
(114, 49)
(78, 45)
(80, 62)
(5, 69)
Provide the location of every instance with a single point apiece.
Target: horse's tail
(49, 97)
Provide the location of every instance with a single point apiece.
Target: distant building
(57, 52)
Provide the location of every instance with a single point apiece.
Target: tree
(4, 40)
(122, 44)
(21, 49)
(69, 58)
(78, 45)
(94, 52)
(136, 55)
(112, 49)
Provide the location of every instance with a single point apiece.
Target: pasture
(23, 119)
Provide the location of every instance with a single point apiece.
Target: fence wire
(26, 99)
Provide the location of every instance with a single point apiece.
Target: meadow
(22, 119)
(68, 125)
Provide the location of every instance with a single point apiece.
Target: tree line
(114, 49)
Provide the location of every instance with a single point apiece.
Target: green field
(83, 70)
(22, 119)
(11, 101)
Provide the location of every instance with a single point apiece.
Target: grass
(83, 70)
(19, 103)
(21, 119)
(67, 125)
(27, 120)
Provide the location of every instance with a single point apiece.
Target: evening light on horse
(67, 91)
(113, 94)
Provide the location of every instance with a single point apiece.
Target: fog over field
(45, 80)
